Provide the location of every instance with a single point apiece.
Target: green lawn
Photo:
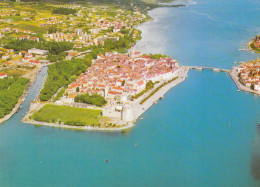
(51, 113)
(16, 18)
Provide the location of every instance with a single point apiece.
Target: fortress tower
(127, 114)
(132, 51)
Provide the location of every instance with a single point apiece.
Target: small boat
(238, 90)
(229, 124)
(141, 118)
(155, 102)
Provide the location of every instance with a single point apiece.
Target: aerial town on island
(122, 76)
(123, 81)
(96, 80)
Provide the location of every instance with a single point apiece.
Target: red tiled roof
(2, 74)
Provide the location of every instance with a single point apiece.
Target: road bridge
(205, 67)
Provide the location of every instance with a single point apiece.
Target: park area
(67, 115)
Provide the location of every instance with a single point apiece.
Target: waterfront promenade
(139, 109)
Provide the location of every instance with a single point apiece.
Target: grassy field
(15, 72)
(51, 113)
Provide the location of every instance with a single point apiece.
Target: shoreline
(88, 128)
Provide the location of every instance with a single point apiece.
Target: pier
(204, 67)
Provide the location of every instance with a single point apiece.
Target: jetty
(205, 67)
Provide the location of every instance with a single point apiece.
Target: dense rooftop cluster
(249, 74)
(121, 75)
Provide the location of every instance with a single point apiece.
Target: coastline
(89, 128)
(32, 76)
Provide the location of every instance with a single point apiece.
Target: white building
(38, 51)
(94, 31)
(127, 114)
(257, 87)
(2, 75)
(79, 31)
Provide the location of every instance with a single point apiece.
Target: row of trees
(10, 91)
(157, 56)
(149, 86)
(53, 47)
(64, 11)
(94, 99)
(62, 74)
(157, 89)
(122, 43)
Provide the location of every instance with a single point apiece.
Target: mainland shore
(32, 76)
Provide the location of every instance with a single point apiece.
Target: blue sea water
(184, 140)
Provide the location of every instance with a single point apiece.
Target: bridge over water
(204, 67)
